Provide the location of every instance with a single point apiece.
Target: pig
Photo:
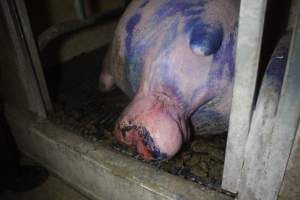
(175, 60)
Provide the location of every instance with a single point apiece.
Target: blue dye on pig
(175, 59)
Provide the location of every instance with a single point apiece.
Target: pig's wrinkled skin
(175, 58)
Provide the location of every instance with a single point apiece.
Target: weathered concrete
(52, 189)
(95, 169)
(259, 145)
(33, 54)
(273, 128)
(287, 119)
(290, 188)
(251, 23)
(293, 13)
(17, 68)
(291, 181)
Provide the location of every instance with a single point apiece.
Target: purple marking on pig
(226, 55)
(148, 141)
(133, 59)
(133, 21)
(178, 58)
(171, 85)
(211, 40)
(171, 35)
(211, 35)
(224, 60)
(185, 8)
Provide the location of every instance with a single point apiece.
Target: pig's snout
(156, 134)
(141, 138)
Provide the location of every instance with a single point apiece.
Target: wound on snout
(206, 39)
(141, 137)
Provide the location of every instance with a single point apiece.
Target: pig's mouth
(140, 137)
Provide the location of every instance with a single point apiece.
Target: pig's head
(173, 85)
(175, 63)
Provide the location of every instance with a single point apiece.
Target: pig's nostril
(123, 133)
(126, 130)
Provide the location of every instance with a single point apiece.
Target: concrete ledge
(96, 170)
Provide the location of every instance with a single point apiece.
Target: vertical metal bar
(291, 183)
(293, 13)
(23, 67)
(259, 143)
(287, 120)
(33, 51)
(251, 23)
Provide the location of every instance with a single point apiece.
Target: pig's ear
(206, 39)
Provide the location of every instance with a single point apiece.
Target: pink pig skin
(175, 59)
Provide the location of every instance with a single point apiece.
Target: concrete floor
(53, 189)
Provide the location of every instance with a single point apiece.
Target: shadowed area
(52, 189)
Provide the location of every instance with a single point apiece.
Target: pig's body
(175, 58)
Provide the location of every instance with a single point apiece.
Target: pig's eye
(206, 39)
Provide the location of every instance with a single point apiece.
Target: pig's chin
(156, 129)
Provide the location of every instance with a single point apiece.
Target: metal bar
(287, 120)
(23, 65)
(295, 4)
(259, 142)
(251, 23)
(291, 183)
(57, 30)
(35, 58)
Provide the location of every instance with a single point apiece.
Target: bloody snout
(142, 140)
(154, 128)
